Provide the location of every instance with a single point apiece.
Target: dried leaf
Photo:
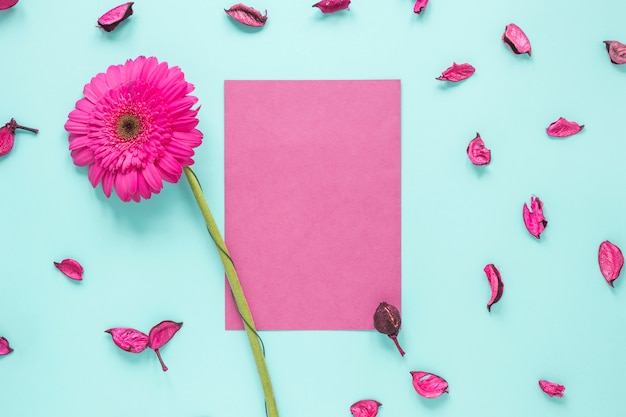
(247, 15)
(563, 127)
(162, 333)
(477, 152)
(516, 39)
(551, 388)
(617, 52)
(5, 349)
(420, 5)
(128, 339)
(387, 321)
(611, 261)
(457, 72)
(71, 268)
(332, 6)
(7, 135)
(496, 284)
(533, 217)
(115, 16)
(365, 408)
(429, 385)
(7, 4)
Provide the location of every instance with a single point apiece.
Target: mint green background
(558, 319)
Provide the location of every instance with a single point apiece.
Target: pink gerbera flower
(135, 127)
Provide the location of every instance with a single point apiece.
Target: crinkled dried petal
(5, 349)
(551, 388)
(516, 39)
(332, 6)
(71, 268)
(429, 385)
(247, 15)
(420, 5)
(617, 52)
(6, 4)
(365, 408)
(496, 284)
(162, 333)
(387, 321)
(7, 140)
(533, 217)
(611, 261)
(477, 152)
(563, 127)
(115, 16)
(457, 72)
(128, 339)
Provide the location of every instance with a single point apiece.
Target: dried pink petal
(617, 52)
(420, 5)
(429, 385)
(457, 72)
(247, 15)
(7, 135)
(552, 389)
(160, 335)
(516, 39)
(495, 281)
(387, 321)
(365, 408)
(5, 349)
(611, 261)
(332, 6)
(6, 4)
(115, 16)
(533, 217)
(563, 127)
(477, 152)
(71, 268)
(128, 339)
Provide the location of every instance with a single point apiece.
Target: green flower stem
(237, 290)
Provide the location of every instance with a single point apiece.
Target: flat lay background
(147, 262)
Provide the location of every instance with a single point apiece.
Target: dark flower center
(128, 126)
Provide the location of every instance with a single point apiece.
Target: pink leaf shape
(128, 339)
(516, 40)
(7, 140)
(6, 4)
(552, 389)
(617, 52)
(162, 333)
(332, 6)
(365, 408)
(611, 261)
(247, 15)
(115, 16)
(477, 152)
(495, 281)
(563, 127)
(457, 72)
(429, 385)
(420, 5)
(533, 217)
(5, 349)
(71, 268)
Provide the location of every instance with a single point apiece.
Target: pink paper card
(312, 194)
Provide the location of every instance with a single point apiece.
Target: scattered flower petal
(7, 4)
(617, 52)
(128, 339)
(247, 15)
(7, 135)
(71, 268)
(332, 6)
(420, 5)
(495, 281)
(5, 349)
(563, 127)
(552, 389)
(477, 152)
(115, 16)
(533, 217)
(457, 72)
(162, 333)
(429, 385)
(387, 321)
(365, 408)
(516, 39)
(611, 261)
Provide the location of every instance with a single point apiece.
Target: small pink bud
(365, 408)
(247, 15)
(457, 72)
(7, 135)
(516, 40)
(71, 268)
(563, 127)
(550, 388)
(496, 284)
(128, 339)
(611, 261)
(617, 52)
(332, 6)
(533, 218)
(420, 5)
(429, 385)
(477, 152)
(5, 349)
(115, 16)
(7, 4)
(387, 321)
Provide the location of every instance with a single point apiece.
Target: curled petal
(516, 39)
(611, 261)
(477, 152)
(128, 339)
(162, 333)
(332, 6)
(420, 5)
(6, 4)
(429, 385)
(5, 349)
(495, 281)
(563, 127)
(7, 140)
(457, 72)
(617, 52)
(115, 16)
(71, 268)
(365, 408)
(533, 217)
(247, 15)
(550, 388)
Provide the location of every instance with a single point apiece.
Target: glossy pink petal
(617, 52)
(516, 39)
(429, 385)
(611, 261)
(128, 339)
(6, 4)
(332, 6)
(365, 408)
(247, 15)
(477, 152)
(496, 284)
(160, 335)
(115, 16)
(71, 268)
(457, 72)
(533, 217)
(5, 349)
(420, 5)
(552, 389)
(563, 127)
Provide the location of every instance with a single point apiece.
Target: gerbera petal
(184, 123)
(107, 183)
(82, 157)
(179, 150)
(85, 105)
(192, 138)
(76, 127)
(99, 85)
(152, 176)
(79, 116)
(149, 65)
(169, 168)
(114, 76)
(159, 72)
(95, 174)
(126, 185)
(78, 141)
(142, 186)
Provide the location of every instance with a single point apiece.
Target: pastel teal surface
(147, 262)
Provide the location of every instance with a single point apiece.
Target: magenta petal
(563, 127)
(115, 16)
(533, 217)
(332, 6)
(420, 5)
(552, 389)
(611, 261)
(162, 333)
(477, 152)
(7, 140)
(71, 268)
(6, 4)
(247, 15)
(457, 72)
(617, 52)
(128, 339)
(429, 385)
(495, 281)
(5, 349)
(365, 408)
(516, 39)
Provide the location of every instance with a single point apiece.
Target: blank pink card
(312, 194)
